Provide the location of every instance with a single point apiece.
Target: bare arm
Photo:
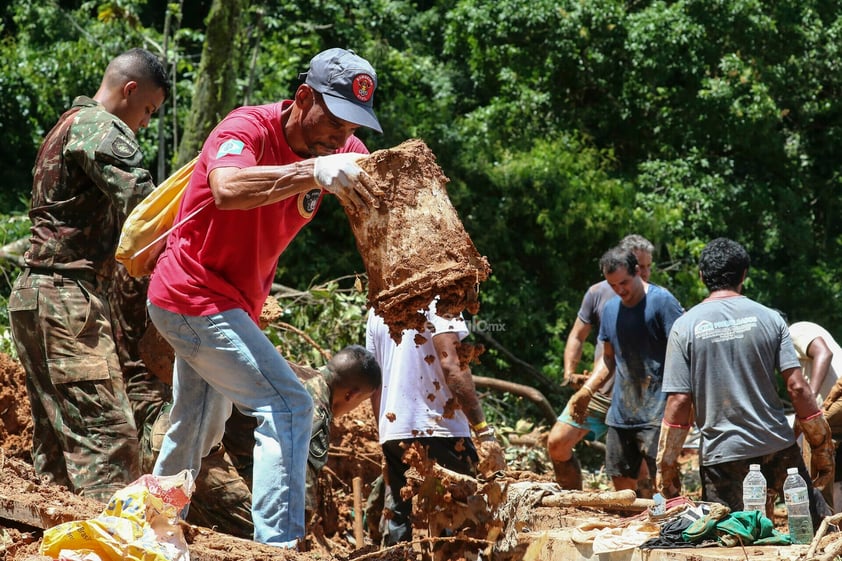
(458, 377)
(247, 188)
(603, 369)
(573, 349)
(799, 392)
(375, 403)
(821, 355)
(679, 409)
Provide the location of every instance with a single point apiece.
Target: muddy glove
(491, 457)
(817, 434)
(340, 175)
(578, 404)
(670, 444)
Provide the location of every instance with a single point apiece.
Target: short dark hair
(354, 365)
(139, 65)
(723, 264)
(618, 257)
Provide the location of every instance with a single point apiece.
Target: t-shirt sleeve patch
(230, 147)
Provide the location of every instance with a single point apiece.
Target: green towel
(736, 528)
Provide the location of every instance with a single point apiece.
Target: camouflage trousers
(84, 431)
(222, 498)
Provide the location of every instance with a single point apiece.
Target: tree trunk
(215, 93)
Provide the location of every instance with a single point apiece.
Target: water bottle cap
(792, 471)
(754, 467)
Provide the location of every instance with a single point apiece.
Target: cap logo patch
(230, 147)
(363, 87)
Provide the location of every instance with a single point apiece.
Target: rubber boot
(568, 474)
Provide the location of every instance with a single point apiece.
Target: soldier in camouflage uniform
(222, 498)
(347, 380)
(87, 177)
(146, 392)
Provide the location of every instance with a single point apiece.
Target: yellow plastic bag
(140, 523)
(144, 234)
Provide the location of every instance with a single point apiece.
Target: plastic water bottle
(754, 490)
(797, 500)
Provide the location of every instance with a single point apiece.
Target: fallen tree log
(459, 486)
(609, 500)
(532, 394)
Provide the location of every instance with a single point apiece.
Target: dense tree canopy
(562, 125)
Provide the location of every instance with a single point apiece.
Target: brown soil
(15, 418)
(354, 452)
(414, 247)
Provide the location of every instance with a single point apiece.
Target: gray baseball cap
(347, 83)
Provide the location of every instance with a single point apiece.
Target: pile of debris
(28, 505)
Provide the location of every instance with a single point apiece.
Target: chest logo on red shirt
(307, 202)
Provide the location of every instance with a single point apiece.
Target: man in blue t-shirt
(634, 330)
(566, 432)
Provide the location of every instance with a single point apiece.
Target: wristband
(479, 426)
(813, 416)
(588, 389)
(674, 425)
(485, 434)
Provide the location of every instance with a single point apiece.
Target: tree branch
(508, 355)
(528, 392)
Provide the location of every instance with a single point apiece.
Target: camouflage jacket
(322, 417)
(87, 177)
(315, 384)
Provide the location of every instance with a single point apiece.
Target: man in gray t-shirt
(724, 359)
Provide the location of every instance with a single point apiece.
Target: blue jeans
(222, 359)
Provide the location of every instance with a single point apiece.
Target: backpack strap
(164, 235)
(167, 233)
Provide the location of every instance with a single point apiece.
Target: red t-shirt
(220, 260)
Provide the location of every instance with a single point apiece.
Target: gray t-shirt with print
(728, 354)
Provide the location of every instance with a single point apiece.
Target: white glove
(340, 175)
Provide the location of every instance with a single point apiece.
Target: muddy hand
(579, 404)
(491, 457)
(576, 381)
(670, 443)
(668, 481)
(822, 453)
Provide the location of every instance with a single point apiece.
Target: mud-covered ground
(354, 452)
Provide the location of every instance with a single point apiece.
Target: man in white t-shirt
(821, 362)
(819, 355)
(428, 396)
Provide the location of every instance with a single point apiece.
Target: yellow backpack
(144, 234)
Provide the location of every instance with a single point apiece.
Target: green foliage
(12, 227)
(562, 126)
(559, 194)
(320, 321)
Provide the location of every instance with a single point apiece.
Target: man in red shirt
(259, 179)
